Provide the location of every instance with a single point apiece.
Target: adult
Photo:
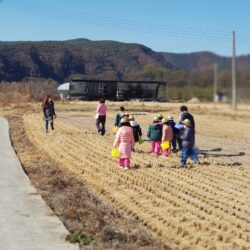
(186, 115)
(48, 112)
(119, 116)
(101, 112)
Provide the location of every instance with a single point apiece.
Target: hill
(197, 60)
(60, 59)
(188, 75)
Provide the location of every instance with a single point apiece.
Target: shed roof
(64, 86)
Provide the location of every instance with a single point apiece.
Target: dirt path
(26, 221)
(192, 208)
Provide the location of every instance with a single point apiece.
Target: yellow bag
(115, 129)
(165, 145)
(140, 141)
(115, 152)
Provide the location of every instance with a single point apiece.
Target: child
(136, 129)
(154, 134)
(126, 115)
(124, 140)
(188, 139)
(101, 117)
(175, 131)
(167, 135)
(119, 116)
(159, 117)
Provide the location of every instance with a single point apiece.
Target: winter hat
(164, 120)
(156, 119)
(187, 122)
(124, 120)
(126, 114)
(159, 116)
(131, 118)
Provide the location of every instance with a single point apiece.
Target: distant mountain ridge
(195, 60)
(59, 60)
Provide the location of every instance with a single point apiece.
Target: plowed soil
(197, 207)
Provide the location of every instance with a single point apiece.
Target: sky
(180, 26)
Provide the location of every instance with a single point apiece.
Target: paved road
(26, 222)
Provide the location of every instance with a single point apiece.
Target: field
(198, 207)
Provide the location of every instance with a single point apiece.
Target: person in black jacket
(136, 128)
(186, 115)
(48, 113)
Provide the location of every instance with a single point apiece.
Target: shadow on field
(210, 153)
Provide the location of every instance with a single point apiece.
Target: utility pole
(234, 94)
(31, 76)
(215, 82)
(31, 82)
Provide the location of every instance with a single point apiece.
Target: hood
(133, 123)
(157, 125)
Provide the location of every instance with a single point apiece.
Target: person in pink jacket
(124, 140)
(101, 112)
(167, 135)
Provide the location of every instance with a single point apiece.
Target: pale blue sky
(163, 25)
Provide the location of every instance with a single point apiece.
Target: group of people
(164, 134)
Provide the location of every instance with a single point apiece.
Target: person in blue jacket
(188, 140)
(119, 116)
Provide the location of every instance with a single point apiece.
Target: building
(63, 90)
(118, 90)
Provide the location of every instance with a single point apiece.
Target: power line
(137, 26)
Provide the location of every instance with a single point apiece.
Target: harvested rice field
(204, 206)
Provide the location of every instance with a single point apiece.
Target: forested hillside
(110, 60)
(60, 60)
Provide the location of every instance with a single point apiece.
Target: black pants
(179, 142)
(100, 124)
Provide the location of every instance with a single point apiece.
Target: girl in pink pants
(124, 139)
(154, 135)
(167, 135)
